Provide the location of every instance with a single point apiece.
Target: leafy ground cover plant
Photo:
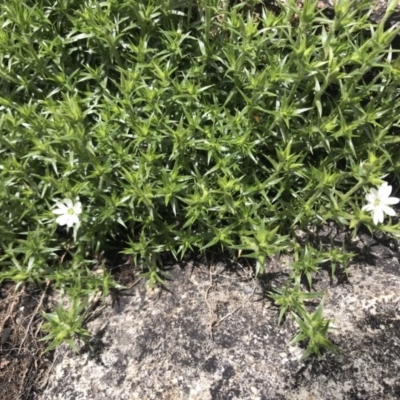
(171, 127)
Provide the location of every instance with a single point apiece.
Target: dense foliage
(184, 126)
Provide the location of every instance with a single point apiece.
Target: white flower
(379, 202)
(68, 213)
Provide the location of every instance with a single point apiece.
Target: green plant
(64, 324)
(292, 299)
(185, 126)
(306, 264)
(338, 257)
(313, 329)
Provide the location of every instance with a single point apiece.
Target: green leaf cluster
(186, 125)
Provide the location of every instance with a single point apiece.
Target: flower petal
(62, 219)
(388, 210)
(78, 208)
(384, 190)
(59, 211)
(69, 203)
(368, 207)
(370, 197)
(73, 219)
(392, 200)
(61, 206)
(378, 215)
(70, 221)
(374, 193)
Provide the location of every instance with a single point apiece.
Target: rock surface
(377, 13)
(213, 335)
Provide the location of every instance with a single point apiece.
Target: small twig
(8, 298)
(33, 315)
(213, 320)
(46, 375)
(62, 257)
(9, 312)
(133, 284)
(38, 328)
(237, 308)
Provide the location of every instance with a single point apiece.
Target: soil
(23, 366)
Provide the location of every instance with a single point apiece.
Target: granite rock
(214, 335)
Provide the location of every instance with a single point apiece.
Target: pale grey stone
(161, 348)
